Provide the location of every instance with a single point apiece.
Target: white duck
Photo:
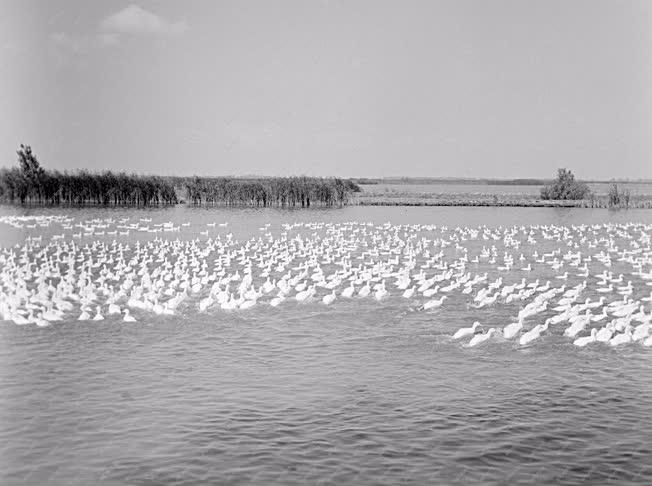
(511, 330)
(434, 303)
(381, 293)
(606, 333)
(329, 298)
(40, 322)
(305, 295)
(365, 290)
(480, 338)
(533, 334)
(408, 293)
(584, 340)
(466, 331)
(276, 301)
(348, 292)
(622, 338)
(641, 331)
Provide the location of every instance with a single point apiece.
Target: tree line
(29, 183)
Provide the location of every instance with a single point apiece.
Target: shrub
(565, 187)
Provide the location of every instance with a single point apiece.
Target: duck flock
(593, 285)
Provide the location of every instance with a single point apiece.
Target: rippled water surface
(356, 392)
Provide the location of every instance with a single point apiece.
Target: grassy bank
(506, 200)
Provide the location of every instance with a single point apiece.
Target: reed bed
(84, 188)
(108, 188)
(269, 191)
(32, 184)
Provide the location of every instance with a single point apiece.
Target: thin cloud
(138, 21)
(130, 21)
(82, 43)
(77, 44)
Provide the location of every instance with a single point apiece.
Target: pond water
(359, 391)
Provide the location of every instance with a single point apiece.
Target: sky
(356, 88)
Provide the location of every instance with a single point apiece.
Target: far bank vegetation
(566, 188)
(30, 183)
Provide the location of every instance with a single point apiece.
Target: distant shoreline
(493, 200)
(444, 200)
(481, 181)
(517, 204)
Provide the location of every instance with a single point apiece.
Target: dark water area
(362, 396)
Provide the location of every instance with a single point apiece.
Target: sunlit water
(356, 392)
